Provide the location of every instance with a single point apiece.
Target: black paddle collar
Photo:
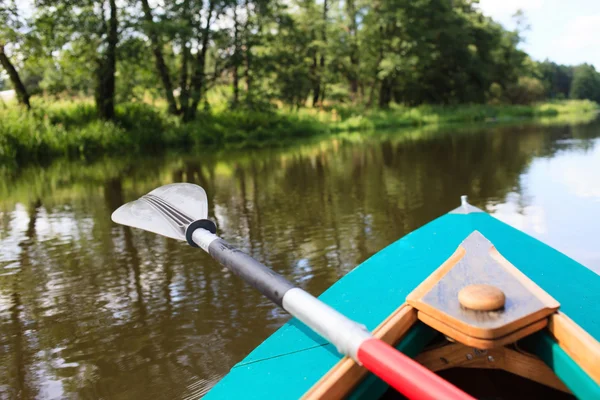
(200, 223)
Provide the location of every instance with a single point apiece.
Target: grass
(351, 119)
(70, 128)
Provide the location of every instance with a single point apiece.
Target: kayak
(485, 306)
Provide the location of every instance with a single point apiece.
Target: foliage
(71, 129)
(586, 83)
(296, 54)
(526, 90)
(557, 79)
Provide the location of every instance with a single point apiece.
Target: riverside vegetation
(143, 76)
(72, 129)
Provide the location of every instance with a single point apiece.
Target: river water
(89, 309)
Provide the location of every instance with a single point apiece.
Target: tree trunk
(247, 59)
(186, 57)
(372, 92)
(318, 67)
(322, 58)
(354, 60)
(105, 92)
(15, 79)
(376, 72)
(184, 86)
(236, 56)
(316, 80)
(159, 60)
(197, 83)
(385, 93)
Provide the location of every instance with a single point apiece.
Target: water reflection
(560, 198)
(92, 309)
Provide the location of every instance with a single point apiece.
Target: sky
(564, 31)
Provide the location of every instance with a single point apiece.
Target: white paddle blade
(167, 210)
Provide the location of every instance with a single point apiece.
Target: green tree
(189, 25)
(450, 55)
(86, 30)
(296, 53)
(586, 83)
(286, 57)
(557, 79)
(352, 71)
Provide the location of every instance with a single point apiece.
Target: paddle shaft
(351, 338)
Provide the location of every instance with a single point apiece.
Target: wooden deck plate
(476, 261)
(478, 342)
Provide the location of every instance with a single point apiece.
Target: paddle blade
(167, 210)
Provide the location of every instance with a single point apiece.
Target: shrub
(527, 90)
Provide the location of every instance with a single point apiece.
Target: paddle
(179, 211)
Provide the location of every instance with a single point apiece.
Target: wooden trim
(466, 330)
(577, 343)
(437, 275)
(537, 291)
(525, 365)
(343, 377)
(478, 343)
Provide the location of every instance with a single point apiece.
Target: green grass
(355, 119)
(70, 129)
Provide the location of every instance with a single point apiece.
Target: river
(90, 309)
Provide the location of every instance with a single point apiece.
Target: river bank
(70, 129)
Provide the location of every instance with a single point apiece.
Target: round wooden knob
(481, 297)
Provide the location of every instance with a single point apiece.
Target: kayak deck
(294, 358)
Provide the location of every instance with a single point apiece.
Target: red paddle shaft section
(406, 375)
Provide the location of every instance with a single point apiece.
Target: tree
(82, 30)
(237, 56)
(10, 23)
(556, 78)
(353, 71)
(586, 83)
(107, 67)
(22, 95)
(291, 53)
(287, 62)
(194, 20)
(152, 30)
(319, 71)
